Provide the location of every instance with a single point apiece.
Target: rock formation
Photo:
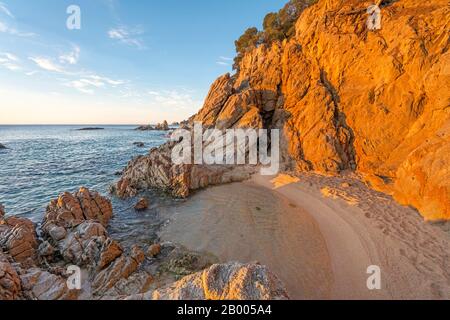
(345, 98)
(156, 170)
(141, 205)
(73, 233)
(10, 287)
(91, 129)
(2, 146)
(164, 126)
(232, 281)
(139, 144)
(18, 239)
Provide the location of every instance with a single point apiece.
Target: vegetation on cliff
(277, 26)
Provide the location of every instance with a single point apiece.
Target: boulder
(141, 205)
(18, 238)
(2, 146)
(70, 210)
(10, 287)
(231, 281)
(154, 250)
(156, 170)
(117, 271)
(2, 211)
(84, 244)
(42, 285)
(74, 229)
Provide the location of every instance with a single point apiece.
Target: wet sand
(319, 235)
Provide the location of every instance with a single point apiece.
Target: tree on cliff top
(277, 26)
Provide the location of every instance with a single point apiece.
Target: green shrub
(277, 26)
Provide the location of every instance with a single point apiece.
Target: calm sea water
(43, 161)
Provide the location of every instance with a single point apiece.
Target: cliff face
(347, 98)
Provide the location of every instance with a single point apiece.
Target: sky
(131, 62)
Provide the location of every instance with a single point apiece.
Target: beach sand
(319, 235)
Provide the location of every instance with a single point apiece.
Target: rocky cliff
(348, 99)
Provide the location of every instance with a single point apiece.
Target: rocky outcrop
(74, 234)
(141, 205)
(139, 144)
(75, 226)
(164, 126)
(18, 239)
(20, 276)
(345, 99)
(91, 129)
(156, 170)
(232, 281)
(2, 146)
(38, 284)
(70, 210)
(10, 288)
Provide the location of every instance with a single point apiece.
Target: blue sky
(133, 61)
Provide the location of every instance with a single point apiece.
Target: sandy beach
(319, 235)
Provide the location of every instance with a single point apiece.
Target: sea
(43, 161)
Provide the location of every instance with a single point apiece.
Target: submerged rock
(139, 144)
(91, 129)
(154, 250)
(232, 281)
(141, 205)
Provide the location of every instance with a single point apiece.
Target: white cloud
(107, 80)
(80, 86)
(71, 57)
(10, 56)
(172, 99)
(4, 28)
(224, 61)
(47, 64)
(11, 66)
(126, 36)
(89, 82)
(5, 10)
(9, 61)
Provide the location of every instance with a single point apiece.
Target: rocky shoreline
(34, 261)
(332, 121)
